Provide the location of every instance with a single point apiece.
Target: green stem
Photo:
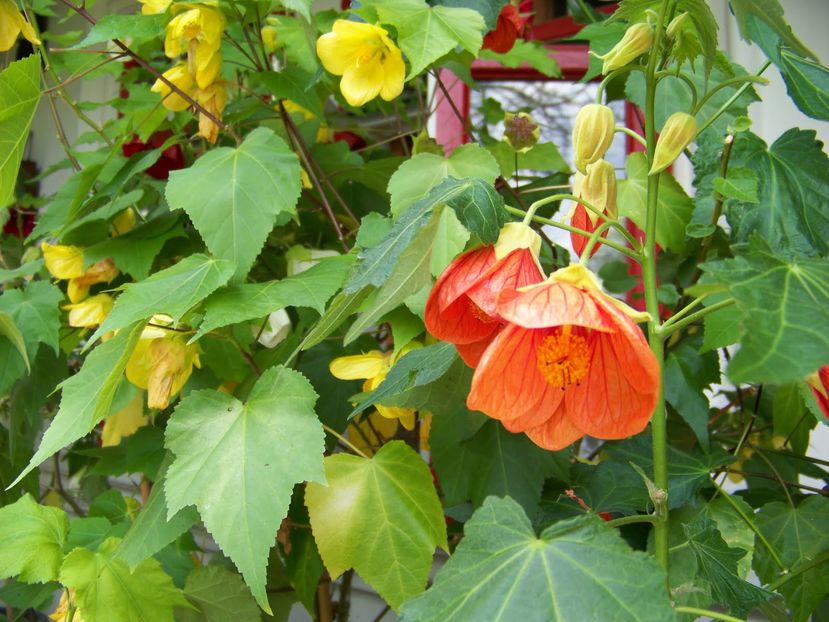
(799, 570)
(344, 440)
(738, 93)
(609, 77)
(658, 421)
(635, 518)
(688, 82)
(670, 327)
(745, 80)
(707, 612)
(560, 225)
(588, 249)
(635, 135)
(535, 205)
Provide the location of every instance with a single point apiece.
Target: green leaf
(416, 368)
(723, 327)
(489, 9)
(687, 374)
(294, 83)
(740, 184)
(718, 565)
(616, 277)
(174, 291)
(769, 13)
(10, 330)
(27, 269)
(380, 516)
(807, 83)
(450, 240)
(87, 397)
(238, 463)
(785, 303)
(426, 33)
(32, 537)
(576, 569)
(492, 461)
(311, 288)
(19, 96)
(219, 595)
(523, 53)
(106, 589)
(419, 174)
(542, 157)
(793, 175)
(674, 210)
(788, 410)
(798, 535)
(131, 29)
(341, 308)
(235, 196)
(303, 7)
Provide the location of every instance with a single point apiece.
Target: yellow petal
(154, 7)
(63, 262)
(125, 221)
(27, 31)
(395, 73)
(405, 415)
(208, 65)
(77, 290)
(182, 79)
(140, 364)
(125, 422)
(425, 430)
(345, 44)
(359, 366)
(9, 26)
(91, 312)
(362, 83)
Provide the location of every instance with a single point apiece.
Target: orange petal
(550, 408)
(515, 270)
(471, 353)
(460, 322)
(462, 274)
(507, 383)
(553, 304)
(582, 220)
(556, 433)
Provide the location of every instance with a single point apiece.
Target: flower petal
(556, 433)
(553, 304)
(358, 366)
(361, 84)
(471, 353)
(515, 270)
(394, 74)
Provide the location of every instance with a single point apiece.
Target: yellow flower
(367, 59)
(373, 367)
(125, 422)
(154, 7)
(201, 25)
(91, 312)
(371, 432)
(103, 271)
(161, 362)
(180, 76)
(269, 37)
(62, 262)
(213, 98)
(12, 23)
(123, 222)
(61, 614)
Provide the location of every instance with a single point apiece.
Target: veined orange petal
(553, 304)
(582, 220)
(556, 433)
(460, 323)
(471, 353)
(551, 406)
(517, 269)
(462, 274)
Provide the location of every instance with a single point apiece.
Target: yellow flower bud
(12, 23)
(181, 78)
(679, 130)
(269, 37)
(63, 262)
(213, 98)
(91, 312)
(592, 134)
(598, 188)
(637, 40)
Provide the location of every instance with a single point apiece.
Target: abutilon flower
(198, 31)
(62, 262)
(91, 312)
(103, 271)
(677, 133)
(12, 24)
(593, 132)
(179, 76)
(461, 307)
(819, 384)
(637, 40)
(597, 189)
(571, 361)
(509, 27)
(154, 7)
(213, 98)
(367, 59)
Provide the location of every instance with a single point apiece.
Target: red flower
(171, 159)
(570, 362)
(462, 305)
(582, 220)
(510, 26)
(819, 384)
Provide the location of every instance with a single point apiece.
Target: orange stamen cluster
(563, 358)
(480, 314)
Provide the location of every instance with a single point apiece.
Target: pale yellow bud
(679, 130)
(592, 134)
(154, 7)
(599, 189)
(637, 40)
(676, 25)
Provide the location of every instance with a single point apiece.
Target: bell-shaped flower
(181, 78)
(62, 262)
(91, 312)
(598, 189)
(677, 133)
(508, 28)
(213, 98)
(12, 24)
(367, 59)
(570, 362)
(637, 40)
(103, 271)
(199, 26)
(461, 307)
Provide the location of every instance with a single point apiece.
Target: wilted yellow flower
(373, 367)
(181, 78)
(677, 133)
(103, 271)
(303, 177)
(161, 362)
(125, 422)
(12, 23)
(520, 131)
(213, 98)
(62, 262)
(154, 7)
(91, 312)
(637, 40)
(367, 59)
(592, 134)
(61, 614)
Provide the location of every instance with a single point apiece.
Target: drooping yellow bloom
(103, 271)
(213, 98)
(200, 25)
(61, 614)
(367, 59)
(62, 262)
(373, 367)
(12, 23)
(154, 7)
(161, 362)
(125, 422)
(91, 312)
(181, 78)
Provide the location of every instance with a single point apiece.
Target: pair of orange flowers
(555, 358)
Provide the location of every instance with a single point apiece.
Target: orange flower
(461, 308)
(509, 27)
(582, 220)
(819, 384)
(571, 362)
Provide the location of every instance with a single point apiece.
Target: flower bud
(598, 189)
(676, 25)
(91, 312)
(592, 134)
(213, 98)
(277, 328)
(637, 40)
(678, 132)
(520, 131)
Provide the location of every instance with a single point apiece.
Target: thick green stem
(716, 615)
(658, 421)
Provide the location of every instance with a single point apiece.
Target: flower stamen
(479, 314)
(563, 358)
